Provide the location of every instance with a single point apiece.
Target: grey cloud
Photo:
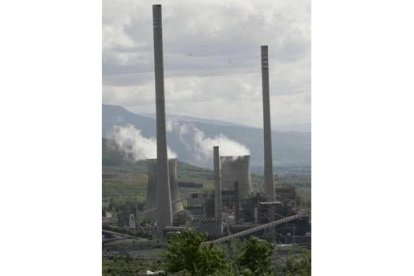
(211, 56)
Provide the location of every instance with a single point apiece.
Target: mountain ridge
(290, 148)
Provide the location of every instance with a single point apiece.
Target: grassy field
(126, 265)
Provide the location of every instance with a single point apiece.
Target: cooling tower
(177, 205)
(269, 186)
(236, 169)
(151, 201)
(236, 203)
(164, 208)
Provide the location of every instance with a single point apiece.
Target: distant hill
(187, 119)
(290, 148)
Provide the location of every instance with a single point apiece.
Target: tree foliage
(186, 252)
(255, 256)
(298, 265)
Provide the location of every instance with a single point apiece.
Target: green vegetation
(255, 256)
(186, 253)
(125, 182)
(126, 265)
(298, 265)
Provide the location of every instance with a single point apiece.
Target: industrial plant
(232, 209)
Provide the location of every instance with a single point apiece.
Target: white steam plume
(227, 146)
(202, 146)
(134, 145)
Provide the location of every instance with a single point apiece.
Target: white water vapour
(227, 146)
(196, 141)
(135, 146)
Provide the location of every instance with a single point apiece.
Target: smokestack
(164, 209)
(217, 184)
(269, 187)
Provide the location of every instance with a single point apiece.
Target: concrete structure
(236, 203)
(164, 208)
(151, 200)
(176, 202)
(195, 199)
(256, 215)
(287, 195)
(123, 215)
(217, 184)
(236, 169)
(269, 186)
(227, 201)
(213, 229)
(269, 211)
(131, 221)
(209, 206)
(195, 204)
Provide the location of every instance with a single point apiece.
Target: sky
(211, 58)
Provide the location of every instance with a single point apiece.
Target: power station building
(232, 203)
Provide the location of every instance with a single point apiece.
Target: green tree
(186, 252)
(298, 265)
(254, 258)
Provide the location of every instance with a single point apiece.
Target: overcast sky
(211, 58)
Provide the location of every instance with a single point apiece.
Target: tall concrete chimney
(164, 209)
(217, 184)
(269, 187)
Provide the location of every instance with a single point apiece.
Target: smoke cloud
(135, 146)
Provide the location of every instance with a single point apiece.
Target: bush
(298, 265)
(255, 257)
(186, 252)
